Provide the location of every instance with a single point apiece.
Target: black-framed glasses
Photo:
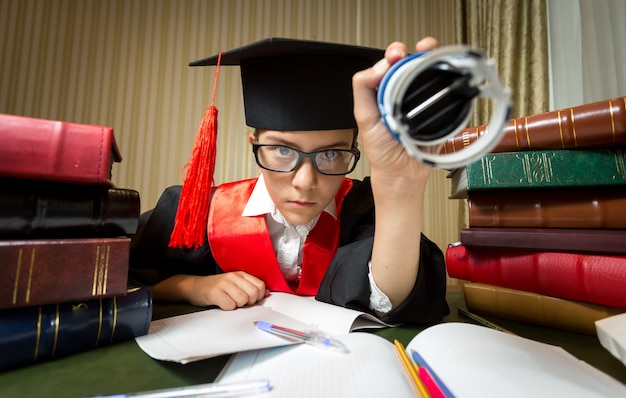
(284, 159)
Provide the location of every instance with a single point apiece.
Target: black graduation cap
(291, 84)
(287, 84)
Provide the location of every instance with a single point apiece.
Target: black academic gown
(345, 283)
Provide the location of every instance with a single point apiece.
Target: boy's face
(304, 193)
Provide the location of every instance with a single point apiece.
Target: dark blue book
(35, 334)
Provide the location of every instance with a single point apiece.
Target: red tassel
(193, 207)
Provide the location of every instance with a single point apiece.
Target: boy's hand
(228, 291)
(387, 156)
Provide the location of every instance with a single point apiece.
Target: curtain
(587, 51)
(514, 33)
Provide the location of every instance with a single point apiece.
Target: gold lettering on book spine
(527, 134)
(38, 339)
(619, 163)
(515, 135)
(558, 114)
(114, 318)
(18, 275)
(101, 270)
(16, 283)
(99, 323)
(612, 118)
(57, 326)
(571, 111)
(466, 138)
(31, 269)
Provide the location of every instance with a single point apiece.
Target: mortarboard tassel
(191, 218)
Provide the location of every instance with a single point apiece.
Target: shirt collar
(260, 202)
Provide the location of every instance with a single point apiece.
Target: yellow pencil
(410, 369)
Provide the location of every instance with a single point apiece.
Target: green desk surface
(124, 367)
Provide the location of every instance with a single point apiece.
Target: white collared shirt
(288, 239)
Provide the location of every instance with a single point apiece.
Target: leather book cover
(589, 278)
(59, 210)
(593, 125)
(47, 271)
(56, 150)
(581, 240)
(596, 208)
(542, 169)
(36, 334)
(534, 308)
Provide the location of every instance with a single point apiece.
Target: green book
(541, 169)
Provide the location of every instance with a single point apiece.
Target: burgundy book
(593, 125)
(604, 241)
(50, 271)
(52, 150)
(596, 208)
(589, 278)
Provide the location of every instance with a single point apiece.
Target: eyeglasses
(284, 159)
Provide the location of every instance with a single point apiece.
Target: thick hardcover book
(601, 241)
(56, 150)
(47, 271)
(593, 125)
(58, 210)
(590, 278)
(542, 169)
(538, 309)
(36, 334)
(549, 208)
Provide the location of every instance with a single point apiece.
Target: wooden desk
(124, 367)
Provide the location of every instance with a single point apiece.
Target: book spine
(56, 150)
(602, 241)
(594, 125)
(555, 208)
(66, 211)
(48, 271)
(597, 279)
(537, 309)
(548, 168)
(36, 334)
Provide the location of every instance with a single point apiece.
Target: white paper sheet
(612, 335)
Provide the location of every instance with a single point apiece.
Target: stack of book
(64, 242)
(546, 241)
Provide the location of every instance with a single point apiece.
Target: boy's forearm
(399, 219)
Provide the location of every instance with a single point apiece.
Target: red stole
(243, 243)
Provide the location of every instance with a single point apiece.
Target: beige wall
(123, 63)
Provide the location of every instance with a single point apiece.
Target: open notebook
(471, 360)
(214, 332)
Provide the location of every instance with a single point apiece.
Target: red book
(597, 279)
(51, 150)
(51, 271)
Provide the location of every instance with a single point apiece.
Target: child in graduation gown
(302, 226)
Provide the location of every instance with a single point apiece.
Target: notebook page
(211, 333)
(475, 361)
(323, 316)
(214, 332)
(370, 369)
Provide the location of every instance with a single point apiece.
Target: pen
(410, 369)
(483, 321)
(310, 337)
(437, 384)
(235, 389)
